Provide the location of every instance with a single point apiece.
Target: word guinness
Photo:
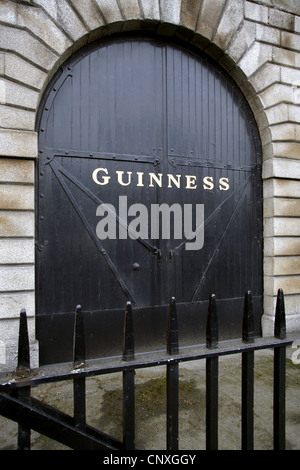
(101, 177)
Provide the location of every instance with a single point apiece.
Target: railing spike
(128, 336)
(79, 340)
(248, 319)
(172, 339)
(280, 325)
(23, 366)
(212, 334)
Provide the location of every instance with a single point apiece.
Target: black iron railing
(17, 404)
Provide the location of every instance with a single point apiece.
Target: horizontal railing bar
(66, 371)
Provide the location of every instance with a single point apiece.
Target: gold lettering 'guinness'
(101, 177)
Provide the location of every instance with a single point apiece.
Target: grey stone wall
(257, 42)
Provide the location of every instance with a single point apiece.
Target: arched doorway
(127, 125)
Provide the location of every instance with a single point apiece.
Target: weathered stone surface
(16, 224)
(292, 308)
(285, 131)
(64, 16)
(232, 16)
(16, 171)
(37, 21)
(16, 118)
(291, 6)
(151, 9)
(189, 13)
(8, 12)
(281, 168)
(16, 197)
(282, 227)
(286, 265)
(288, 5)
(289, 58)
(18, 144)
(27, 46)
(278, 114)
(12, 302)
(293, 113)
(290, 41)
(266, 76)
(287, 150)
(130, 9)
(290, 76)
(209, 17)
(89, 13)
(281, 19)
(276, 94)
(257, 13)
(268, 320)
(110, 10)
(281, 207)
(69, 21)
(268, 35)
(18, 95)
(16, 278)
(170, 11)
(50, 6)
(289, 284)
(282, 188)
(256, 56)
(16, 251)
(282, 246)
(19, 69)
(9, 333)
(8, 358)
(242, 40)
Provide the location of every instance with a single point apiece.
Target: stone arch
(220, 31)
(256, 42)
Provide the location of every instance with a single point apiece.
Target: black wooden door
(140, 122)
